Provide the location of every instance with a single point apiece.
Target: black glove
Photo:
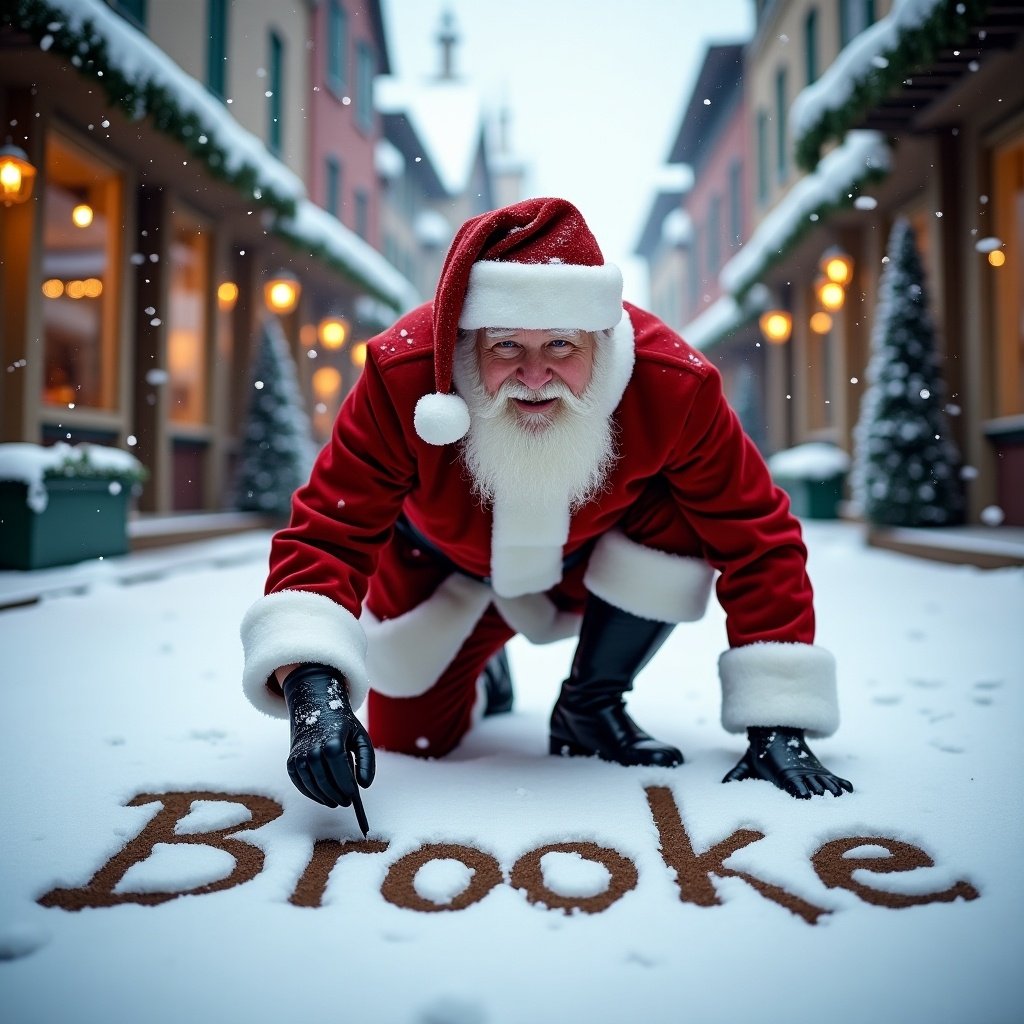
(326, 739)
(780, 756)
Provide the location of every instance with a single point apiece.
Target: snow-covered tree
(277, 450)
(906, 468)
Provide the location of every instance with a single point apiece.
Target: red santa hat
(534, 265)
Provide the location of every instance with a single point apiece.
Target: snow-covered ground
(129, 759)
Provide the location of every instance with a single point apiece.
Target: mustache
(495, 405)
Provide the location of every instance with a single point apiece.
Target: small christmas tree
(906, 468)
(277, 446)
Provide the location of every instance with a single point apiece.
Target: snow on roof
(674, 178)
(446, 116)
(861, 57)
(432, 228)
(861, 153)
(677, 228)
(316, 227)
(141, 61)
(388, 160)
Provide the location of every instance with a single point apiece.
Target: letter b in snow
(99, 890)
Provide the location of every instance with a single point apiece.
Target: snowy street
(158, 863)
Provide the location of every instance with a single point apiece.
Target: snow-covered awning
(869, 65)
(863, 156)
(140, 77)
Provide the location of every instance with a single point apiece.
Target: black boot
(589, 717)
(497, 681)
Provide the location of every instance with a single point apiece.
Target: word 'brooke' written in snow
(694, 872)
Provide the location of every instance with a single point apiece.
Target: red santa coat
(688, 498)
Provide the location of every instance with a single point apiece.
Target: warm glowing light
(17, 175)
(821, 323)
(996, 258)
(333, 332)
(830, 295)
(837, 266)
(281, 293)
(358, 353)
(82, 215)
(76, 289)
(326, 382)
(53, 288)
(307, 335)
(93, 287)
(776, 325)
(227, 295)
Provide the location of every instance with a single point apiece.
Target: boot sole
(567, 748)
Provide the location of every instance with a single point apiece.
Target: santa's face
(533, 366)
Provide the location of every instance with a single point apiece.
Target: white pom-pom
(441, 419)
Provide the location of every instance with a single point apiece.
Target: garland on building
(947, 26)
(906, 467)
(140, 95)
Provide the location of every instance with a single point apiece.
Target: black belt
(410, 533)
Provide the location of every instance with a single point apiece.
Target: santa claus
(529, 455)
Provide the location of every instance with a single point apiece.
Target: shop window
(81, 223)
(1005, 266)
(187, 322)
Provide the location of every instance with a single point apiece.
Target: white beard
(541, 460)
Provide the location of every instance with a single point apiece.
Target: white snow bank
(815, 460)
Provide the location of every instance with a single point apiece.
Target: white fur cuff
(294, 626)
(779, 684)
(648, 583)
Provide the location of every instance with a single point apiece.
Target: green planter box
(82, 519)
(813, 499)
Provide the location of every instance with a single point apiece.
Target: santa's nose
(533, 371)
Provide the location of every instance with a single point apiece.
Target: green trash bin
(813, 475)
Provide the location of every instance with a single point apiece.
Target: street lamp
(281, 292)
(776, 325)
(227, 295)
(830, 294)
(17, 175)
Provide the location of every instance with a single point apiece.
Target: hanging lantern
(281, 292)
(821, 322)
(837, 266)
(227, 295)
(17, 175)
(776, 325)
(333, 332)
(82, 215)
(830, 295)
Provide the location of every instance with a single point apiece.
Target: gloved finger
(366, 760)
(304, 783)
(815, 784)
(331, 781)
(739, 772)
(797, 788)
(847, 785)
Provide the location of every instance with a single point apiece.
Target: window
(187, 328)
(82, 216)
(217, 47)
(846, 29)
(854, 17)
(781, 143)
(337, 47)
(735, 202)
(693, 279)
(1008, 277)
(362, 213)
(275, 105)
(811, 45)
(366, 68)
(332, 187)
(762, 157)
(714, 249)
(131, 10)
